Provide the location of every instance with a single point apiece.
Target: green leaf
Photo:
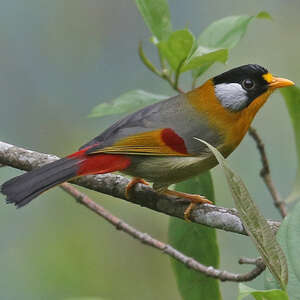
(288, 238)
(180, 49)
(254, 222)
(264, 15)
(177, 48)
(126, 103)
(226, 33)
(245, 291)
(293, 240)
(196, 241)
(292, 100)
(156, 15)
(201, 70)
(203, 57)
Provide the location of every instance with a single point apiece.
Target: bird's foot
(132, 183)
(192, 198)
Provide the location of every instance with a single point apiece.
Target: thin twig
(250, 261)
(266, 175)
(114, 185)
(164, 73)
(165, 248)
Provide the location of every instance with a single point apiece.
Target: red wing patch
(161, 142)
(173, 140)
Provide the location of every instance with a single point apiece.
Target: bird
(157, 143)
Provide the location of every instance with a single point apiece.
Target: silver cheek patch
(232, 96)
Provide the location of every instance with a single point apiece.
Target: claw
(132, 183)
(194, 199)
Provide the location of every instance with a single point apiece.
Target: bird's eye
(248, 84)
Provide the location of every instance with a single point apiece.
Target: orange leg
(132, 183)
(194, 199)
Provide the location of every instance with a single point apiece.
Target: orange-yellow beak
(277, 82)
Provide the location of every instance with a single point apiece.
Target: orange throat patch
(231, 125)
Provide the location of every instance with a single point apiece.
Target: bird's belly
(165, 170)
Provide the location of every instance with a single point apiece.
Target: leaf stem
(177, 74)
(161, 59)
(146, 61)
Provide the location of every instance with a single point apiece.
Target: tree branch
(213, 216)
(165, 248)
(266, 174)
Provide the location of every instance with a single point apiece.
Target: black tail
(22, 189)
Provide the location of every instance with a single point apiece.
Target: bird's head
(237, 88)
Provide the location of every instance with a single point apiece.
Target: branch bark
(163, 247)
(213, 216)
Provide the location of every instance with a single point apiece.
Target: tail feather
(22, 189)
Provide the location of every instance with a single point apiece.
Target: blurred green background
(60, 58)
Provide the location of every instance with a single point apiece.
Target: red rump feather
(103, 163)
(99, 163)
